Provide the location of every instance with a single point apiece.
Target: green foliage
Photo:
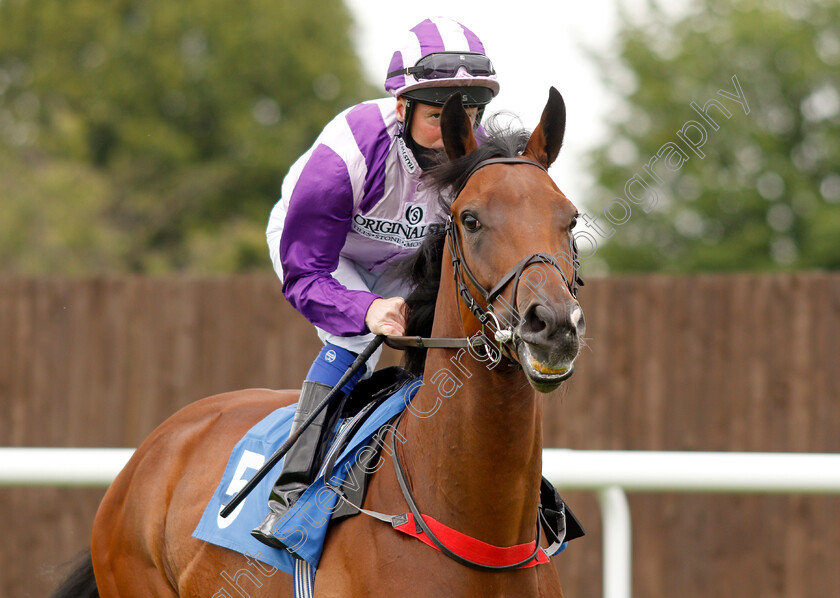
(766, 193)
(152, 136)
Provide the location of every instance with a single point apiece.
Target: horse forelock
(422, 269)
(496, 141)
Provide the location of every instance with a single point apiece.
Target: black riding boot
(301, 463)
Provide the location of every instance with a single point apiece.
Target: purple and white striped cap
(437, 34)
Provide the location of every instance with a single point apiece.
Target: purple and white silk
(349, 207)
(353, 204)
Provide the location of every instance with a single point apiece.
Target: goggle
(444, 65)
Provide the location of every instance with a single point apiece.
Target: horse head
(513, 247)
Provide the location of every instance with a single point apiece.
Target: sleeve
(314, 230)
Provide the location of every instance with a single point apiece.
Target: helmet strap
(409, 114)
(426, 157)
(478, 116)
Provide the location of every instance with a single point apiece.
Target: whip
(357, 364)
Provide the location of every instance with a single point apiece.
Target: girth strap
(469, 551)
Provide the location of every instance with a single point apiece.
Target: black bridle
(486, 314)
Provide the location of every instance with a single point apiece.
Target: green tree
(762, 191)
(150, 136)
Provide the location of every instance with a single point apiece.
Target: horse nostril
(538, 318)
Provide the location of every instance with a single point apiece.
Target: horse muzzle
(549, 342)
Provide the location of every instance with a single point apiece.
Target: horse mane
(423, 268)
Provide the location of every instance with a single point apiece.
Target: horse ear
(456, 128)
(547, 138)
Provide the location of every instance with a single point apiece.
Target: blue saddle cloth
(304, 527)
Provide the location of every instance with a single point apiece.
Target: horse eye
(471, 223)
(573, 223)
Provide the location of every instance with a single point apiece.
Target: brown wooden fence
(740, 363)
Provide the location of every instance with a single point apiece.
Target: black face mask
(426, 156)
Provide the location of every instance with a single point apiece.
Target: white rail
(79, 467)
(609, 473)
(658, 471)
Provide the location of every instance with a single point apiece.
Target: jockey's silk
(354, 195)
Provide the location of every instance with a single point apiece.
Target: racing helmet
(439, 57)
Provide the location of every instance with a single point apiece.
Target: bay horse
(471, 447)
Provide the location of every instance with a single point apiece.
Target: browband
(490, 161)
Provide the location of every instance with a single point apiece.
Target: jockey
(350, 207)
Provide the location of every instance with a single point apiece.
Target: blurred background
(140, 137)
(143, 144)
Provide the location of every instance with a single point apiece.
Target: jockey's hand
(387, 316)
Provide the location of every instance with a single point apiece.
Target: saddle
(378, 387)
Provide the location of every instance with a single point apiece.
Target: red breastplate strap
(472, 549)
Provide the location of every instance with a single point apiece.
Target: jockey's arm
(305, 237)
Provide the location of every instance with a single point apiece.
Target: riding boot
(301, 463)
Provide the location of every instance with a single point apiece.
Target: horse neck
(474, 456)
